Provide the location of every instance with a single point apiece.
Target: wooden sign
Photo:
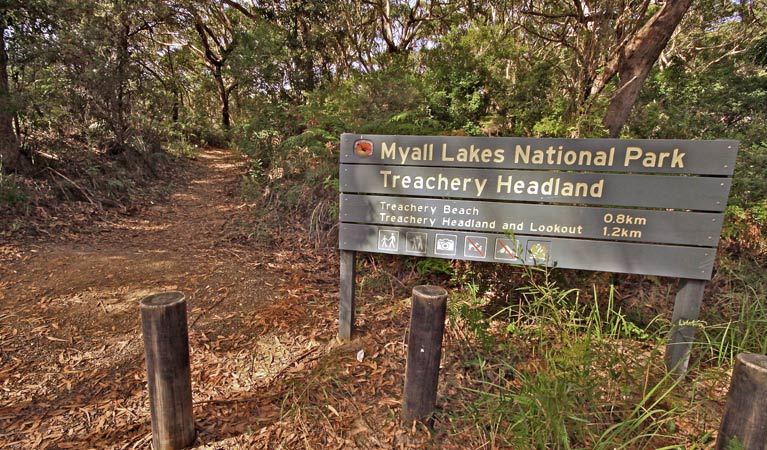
(650, 191)
(621, 224)
(652, 207)
(669, 156)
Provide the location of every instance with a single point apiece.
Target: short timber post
(680, 340)
(427, 325)
(346, 314)
(745, 414)
(166, 346)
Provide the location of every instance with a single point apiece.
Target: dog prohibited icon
(388, 240)
(475, 247)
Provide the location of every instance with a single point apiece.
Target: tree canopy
(99, 98)
(122, 74)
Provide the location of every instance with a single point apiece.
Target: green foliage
(429, 266)
(612, 323)
(739, 322)
(749, 188)
(735, 444)
(647, 420)
(295, 175)
(10, 191)
(468, 308)
(759, 51)
(180, 144)
(557, 378)
(456, 83)
(745, 229)
(450, 88)
(547, 410)
(387, 101)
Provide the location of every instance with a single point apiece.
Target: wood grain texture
(348, 271)
(166, 346)
(745, 414)
(680, 340)
(427, 325)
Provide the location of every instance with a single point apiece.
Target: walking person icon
(388, 240)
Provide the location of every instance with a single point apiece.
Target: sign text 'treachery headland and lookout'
(636, 206)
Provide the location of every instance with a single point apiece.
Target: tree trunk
(174, 88)
(176, 106)
(636, 58)
(9, 146)
(223, 95)
(225, 117)
(119, 111)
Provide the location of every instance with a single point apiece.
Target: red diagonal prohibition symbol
(479, 250)
(508, 252)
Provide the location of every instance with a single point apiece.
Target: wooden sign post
(652, 207)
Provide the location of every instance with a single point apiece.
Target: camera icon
(445, 244)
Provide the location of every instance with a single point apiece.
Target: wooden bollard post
(166, 346)
(427, 325)
(745, 414)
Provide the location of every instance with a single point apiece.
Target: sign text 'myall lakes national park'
(636, 206)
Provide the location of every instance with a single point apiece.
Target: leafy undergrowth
(532, 358)
(70, 186)
(551, 372)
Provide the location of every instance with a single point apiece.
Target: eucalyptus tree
(309, 31)
(9, 146)
(214, 42)
(18, 20)
(632, 60)
(92, 67)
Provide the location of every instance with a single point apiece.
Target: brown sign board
(586, 254)
(651, 191)
(619, 224)
(635, 206)
(671, 156)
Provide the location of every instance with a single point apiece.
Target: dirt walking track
(71, 360)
